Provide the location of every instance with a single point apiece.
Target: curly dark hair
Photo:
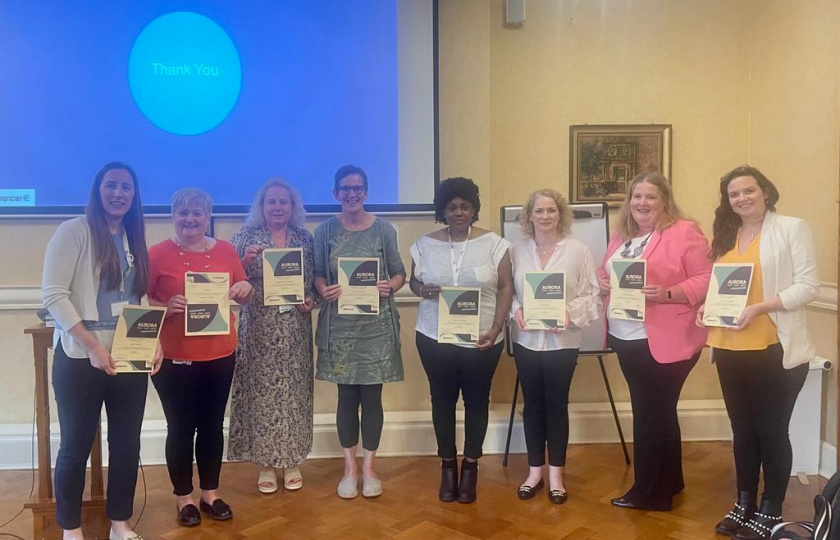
(451, 188)
(727, 222)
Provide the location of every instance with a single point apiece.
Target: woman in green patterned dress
(357, 352)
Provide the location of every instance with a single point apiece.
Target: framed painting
(604, 159)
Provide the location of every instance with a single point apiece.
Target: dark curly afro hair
(451, 188)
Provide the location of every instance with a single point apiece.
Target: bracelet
(668, 294)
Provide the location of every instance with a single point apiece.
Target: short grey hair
(185, 196)
(256, 217)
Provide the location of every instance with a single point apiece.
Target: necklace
(751, 235)
(547, 250)
(639, 249)
(182, 252)
(285, 239)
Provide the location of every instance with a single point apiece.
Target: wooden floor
(409, 508)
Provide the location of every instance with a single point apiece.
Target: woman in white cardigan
(94, 265)
(763, 360)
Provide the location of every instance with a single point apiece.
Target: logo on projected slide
(184, 73)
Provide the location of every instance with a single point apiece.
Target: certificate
(136, 338)
(208, 304)
(727, 296)
(544, 301)
(626, 281)
(357, 277)
(458, 315)
(282, 276)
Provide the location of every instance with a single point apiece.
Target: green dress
(354, 349)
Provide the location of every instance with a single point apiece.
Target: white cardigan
(789, 270)
(70, 284)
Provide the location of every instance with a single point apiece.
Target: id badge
(117, 308)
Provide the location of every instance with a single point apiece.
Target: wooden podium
(94, 522)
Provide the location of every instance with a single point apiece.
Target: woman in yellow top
(763, 360)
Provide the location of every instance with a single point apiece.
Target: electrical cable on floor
(142, 508)
(32, 467)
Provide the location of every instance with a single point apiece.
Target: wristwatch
(668, 294)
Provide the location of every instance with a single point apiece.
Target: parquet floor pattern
(409, 508)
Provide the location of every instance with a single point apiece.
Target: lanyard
(129, 260)
(456, 266)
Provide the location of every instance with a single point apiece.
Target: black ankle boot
(768, 515)
(469, 479)
(739, 516)
(448, 480)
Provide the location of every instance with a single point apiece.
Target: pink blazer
(678, 255)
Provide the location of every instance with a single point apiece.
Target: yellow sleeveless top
(762, 332)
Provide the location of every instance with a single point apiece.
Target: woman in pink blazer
(657, 351)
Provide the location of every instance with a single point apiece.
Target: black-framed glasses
(358, 190)
(625, 253)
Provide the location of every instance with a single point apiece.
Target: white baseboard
(411, 433)
(828, 460)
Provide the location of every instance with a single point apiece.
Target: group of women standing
(100, 261)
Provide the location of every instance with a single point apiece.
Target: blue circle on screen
(184, 73)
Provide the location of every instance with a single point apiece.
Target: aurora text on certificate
(544, 301)
(136, 338)
(728, 292)
(627, 279)
(458, 315)
(208, 304)
(282, 276)
(357, 277)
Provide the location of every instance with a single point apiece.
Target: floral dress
(271, 404)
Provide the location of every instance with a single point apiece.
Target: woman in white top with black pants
(463, 256)
(546, 359)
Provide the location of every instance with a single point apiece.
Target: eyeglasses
(625, 254)
(358, 190)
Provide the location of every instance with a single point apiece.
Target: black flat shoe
(557, 496)
(529, 492)
(627, 502)
(219, 510)
(189, 516)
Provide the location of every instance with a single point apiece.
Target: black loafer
(219, 510)
(529, 492)
(189, 516)
(627, 502)
(557, 496)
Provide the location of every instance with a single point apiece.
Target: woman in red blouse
(194, 381)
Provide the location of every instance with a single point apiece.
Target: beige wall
(795, 136)
(739, 80)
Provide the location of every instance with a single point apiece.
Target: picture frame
(604, 159)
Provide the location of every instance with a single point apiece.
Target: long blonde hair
(671, 213)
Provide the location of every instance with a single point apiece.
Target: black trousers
(452, 371)
(760, 394)
(80, 391)
(194, 397)
(350, 397)
(654, 392)
(546, 377)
